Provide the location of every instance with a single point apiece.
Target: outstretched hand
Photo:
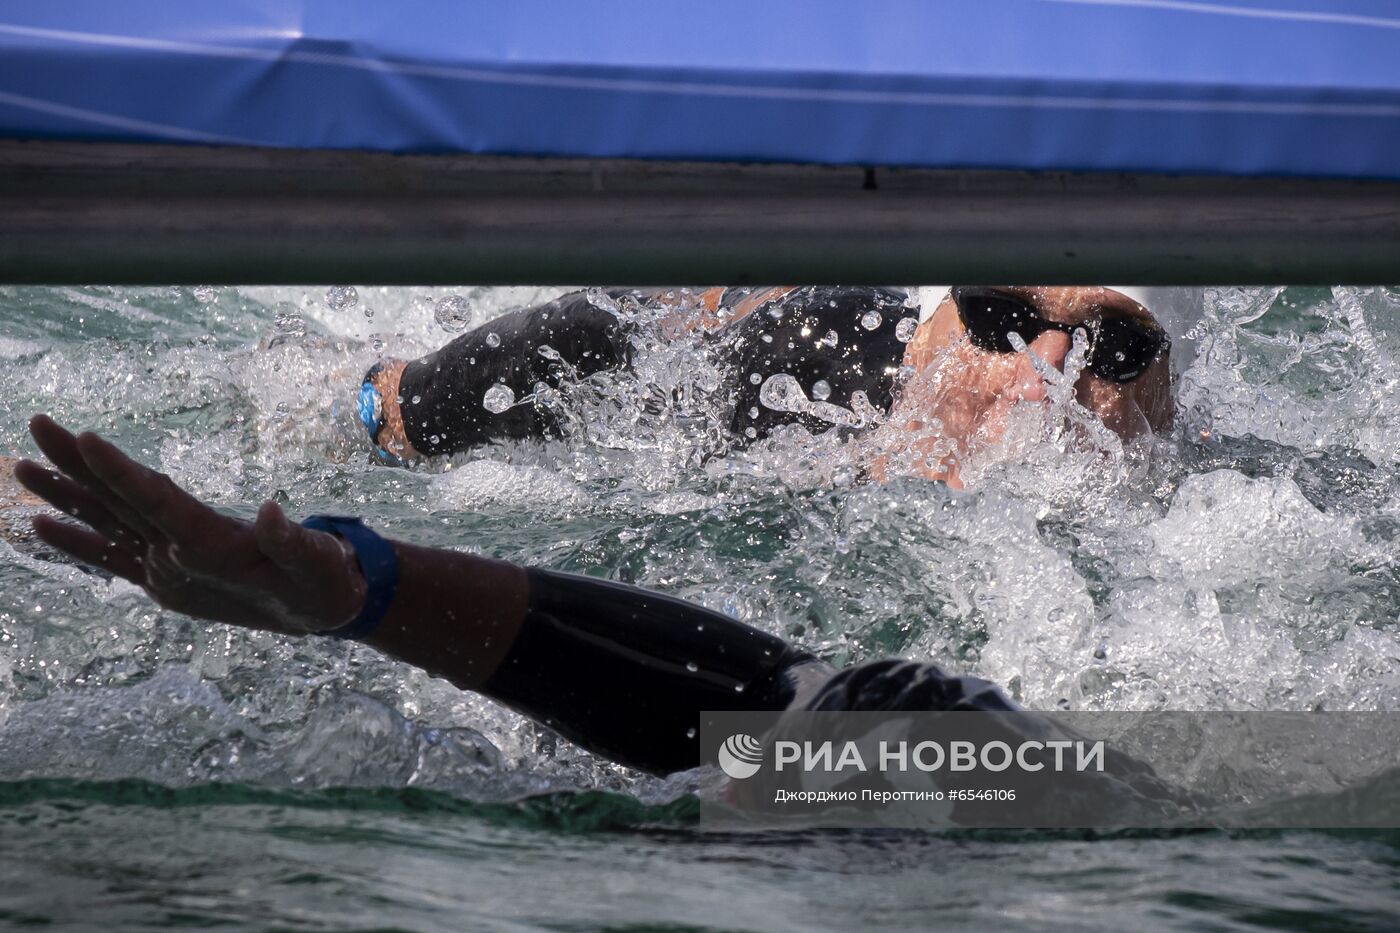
(268, 574)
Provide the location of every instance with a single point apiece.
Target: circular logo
(740, 756)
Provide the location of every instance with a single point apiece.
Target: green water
(156, 772)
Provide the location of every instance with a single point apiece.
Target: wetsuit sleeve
(625, 672)
(444, 393)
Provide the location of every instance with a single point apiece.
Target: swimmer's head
(981, 373)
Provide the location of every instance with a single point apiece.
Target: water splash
(1075, 571)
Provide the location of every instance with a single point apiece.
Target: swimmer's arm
(266, 574)
(454, 615)
(619, 670)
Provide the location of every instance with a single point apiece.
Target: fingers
(61, 447)
(63, 451)
(147, 500)
(67, 496)
(90, 548)
(293, 547)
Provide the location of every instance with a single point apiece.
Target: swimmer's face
(970, 391)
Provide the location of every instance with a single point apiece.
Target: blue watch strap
(378, 562)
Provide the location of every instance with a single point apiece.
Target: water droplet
(870, 320)
(497, 399)
(545, 397)
(205, 294)
(453, 314)
(782, 393)
(493, 339)
(755, 378)
(342, 297)
(904, 330)
(288, 321)
(821, 390)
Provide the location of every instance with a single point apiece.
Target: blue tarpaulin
(1253, 87)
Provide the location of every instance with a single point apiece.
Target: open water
(158, 772)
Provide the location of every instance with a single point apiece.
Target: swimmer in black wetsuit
(621, 671)
(923, 393)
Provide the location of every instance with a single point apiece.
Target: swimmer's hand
(269, 574)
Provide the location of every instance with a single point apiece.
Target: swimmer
(923, 394)
(621, 671)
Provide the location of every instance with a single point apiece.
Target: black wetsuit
(847, 338)
(627, 673)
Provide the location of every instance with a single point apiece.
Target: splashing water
(454, 314)
(1245, 560)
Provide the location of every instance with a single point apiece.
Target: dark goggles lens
(1120, 348)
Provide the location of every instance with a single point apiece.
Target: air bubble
(342, 297)
(493, 339)
(831, 339)
(692, 666)
(904, 330)
(453, 314)
(205, 294)
(497, 399)
(821, 390)
(871, 320)
(753, 412)
(755, 378)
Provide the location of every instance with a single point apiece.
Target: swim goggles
(1120, 347)
(370, 407)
